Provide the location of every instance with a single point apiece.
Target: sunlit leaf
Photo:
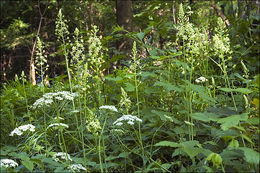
(251, 156)
(167, 144)
(240, 90)
(232, 120)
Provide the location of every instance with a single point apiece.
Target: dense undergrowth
(187, 108)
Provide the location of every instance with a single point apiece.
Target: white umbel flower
(77, 167)
(48, 98)
(112, 108)
(19, 130)
(8, 163)
(129, 119)
(61, 155)
(59, 124)
(201, 80)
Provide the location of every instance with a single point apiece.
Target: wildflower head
(62, 156)
(112, 108)
(59, 125)
(19, 130)
(129, 119)
(49, 98)
(6, 163)
(77, 167)
(201, 80)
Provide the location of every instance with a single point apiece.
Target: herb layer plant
(176, 110)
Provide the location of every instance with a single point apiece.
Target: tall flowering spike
(78, 49)
(221, 39)
(95, 50)
(61, 27)
(41, 57)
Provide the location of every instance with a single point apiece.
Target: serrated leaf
(205, 116)
(251, 156)
(254, 120)
(167, 144)
(168, 87)
(28, 164)
(129, 87)
(140, 35)
(232, 120)
(202, 92)
(166, 116)
(192, 151)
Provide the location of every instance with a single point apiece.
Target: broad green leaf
(205, 116)
(51, 162)
(240, 90)
(147, 74)
(166, 165)
(168, 86)
(254, 120)
(251, 156)
(243, 90)
(189, 143)
(140, 35)
(210, 142)
(121, 155)
(192, 151)
(129, 87)
(232, 120)
(118, 78)
(166, 116)
(28, 164)
(202, 92)
(167, 144)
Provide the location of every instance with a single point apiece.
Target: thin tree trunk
(32, 64)
(219, 13)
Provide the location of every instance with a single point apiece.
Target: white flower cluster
(221, 44)
(48, 98)
(201, 80)
(112, 108)
(59, 124)
(129, 118)
(77, 167)
(8, 163)
(61, 155)
(19, 130)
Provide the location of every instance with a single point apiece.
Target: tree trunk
(124, 13)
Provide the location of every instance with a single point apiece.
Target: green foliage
(178, 107)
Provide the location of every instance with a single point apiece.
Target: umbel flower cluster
(61, 155)
(129, 119)
(48, 98)
(19, 130)
(77, 167)
(112, 108)
(8, 163)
